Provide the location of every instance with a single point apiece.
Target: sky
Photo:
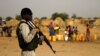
(42, 8)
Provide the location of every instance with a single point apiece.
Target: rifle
(41, 34)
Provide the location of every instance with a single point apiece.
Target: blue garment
(52, 32)
(73, 30)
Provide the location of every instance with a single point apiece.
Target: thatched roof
(46, 22)
(59, 21)
(69, 22)
(97, 22)
(12, 22)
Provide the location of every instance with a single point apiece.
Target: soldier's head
(26, 14)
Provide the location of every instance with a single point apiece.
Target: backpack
(27, 46)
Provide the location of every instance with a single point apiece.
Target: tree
(0, 20)
(8, 18)
(18, 17)
(54, 15)
(96, 18)
(62, 15)
(43, 18)
(74, 16)
(79, 17)
(89, 19)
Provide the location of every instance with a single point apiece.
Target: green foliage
(0, 18)
(18, 17)
(74, 16)
(89, 18)
(43, 18)
(54, 16)
(8, 18)
(79, 17)
(96, 18)
(62, 15)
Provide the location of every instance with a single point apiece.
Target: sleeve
(26, 33)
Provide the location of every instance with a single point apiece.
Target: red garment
(70, 30)
(88, 30)
(51, 25)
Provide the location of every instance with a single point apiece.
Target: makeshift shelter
(60, 22)
(46, 22)
(97, 22)
(69, 22)
(12, 22)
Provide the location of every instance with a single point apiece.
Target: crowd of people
(6, 31)
(71, 32)
(74, 34)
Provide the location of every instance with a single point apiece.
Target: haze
(41, 8)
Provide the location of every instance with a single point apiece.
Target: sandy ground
(9, 47)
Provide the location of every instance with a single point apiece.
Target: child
(87, 33)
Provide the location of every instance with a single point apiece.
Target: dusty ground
(9, 47)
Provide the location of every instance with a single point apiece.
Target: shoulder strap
(31, 24)
(21, 23)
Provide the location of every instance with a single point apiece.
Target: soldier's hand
(42, 38)
(34, 31)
